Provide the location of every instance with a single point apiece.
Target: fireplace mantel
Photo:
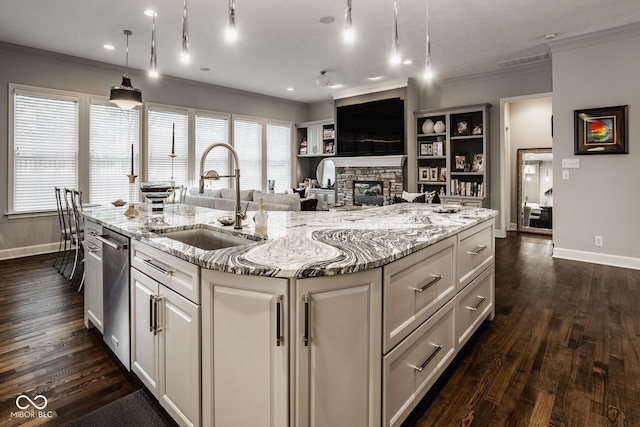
(369, 161)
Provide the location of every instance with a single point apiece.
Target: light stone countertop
(299, 244)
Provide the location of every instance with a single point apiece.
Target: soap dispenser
(260, 219)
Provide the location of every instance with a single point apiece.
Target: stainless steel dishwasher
(115, 292)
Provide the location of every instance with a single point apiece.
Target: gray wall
(48, 70)
(603, 196)
(530, 127)
(489, 89)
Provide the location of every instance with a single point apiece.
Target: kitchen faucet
(212, 174)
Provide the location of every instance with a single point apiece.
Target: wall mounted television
(371, 129)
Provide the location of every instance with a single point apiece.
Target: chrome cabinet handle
(478, 304)
(93, 233)
(429, 359)
(477, 250)
(157, 267)
(151, 305)
(436, 279)
(157, 299)
(305, 298)
(279, 337)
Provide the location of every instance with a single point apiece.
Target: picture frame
(478, 163)
(424, 174)
(442, 174)
(433, 174)
(460, 162)
(477, 129)
(601, 130)
(462, 126)
(426, 149)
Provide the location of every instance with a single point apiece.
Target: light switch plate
(570, 163)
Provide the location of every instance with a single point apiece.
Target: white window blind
(247, 140)
(45, 149)
(210, 129)
(112, 131)
(279, 155)
(160, 127)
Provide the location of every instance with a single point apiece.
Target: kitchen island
(335, 318)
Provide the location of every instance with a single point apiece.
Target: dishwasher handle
(104, 238)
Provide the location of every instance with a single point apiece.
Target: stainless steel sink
(206, 239)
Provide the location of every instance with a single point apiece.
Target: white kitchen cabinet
(338, 331)
(245, 349)
(93, 307)
(165, 347)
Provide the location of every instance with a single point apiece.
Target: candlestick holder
(131, 210)
(173, 182)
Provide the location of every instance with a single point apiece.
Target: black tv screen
(371, 129)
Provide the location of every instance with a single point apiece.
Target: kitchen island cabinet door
(144, 347)
(178, 328)
(245, 350)
(338, 350)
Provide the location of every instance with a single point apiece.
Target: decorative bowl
(119, 203)
(225, 220)
(156, 192)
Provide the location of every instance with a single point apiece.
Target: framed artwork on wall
(601, 130)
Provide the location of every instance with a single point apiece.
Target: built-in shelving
(452, 156)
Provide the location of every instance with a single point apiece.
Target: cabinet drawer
(474, 304)
(414, 365)
(475, 252)
(175, 273)
(415, 287)
(91, 231)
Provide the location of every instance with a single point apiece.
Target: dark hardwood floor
(563, 350)
(46, 350)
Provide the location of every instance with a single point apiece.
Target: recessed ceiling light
(150, 12)
(290, 89)
(327, 19)
(205, 69)
(374, 78)
(335, 85)
(407, 62)
(108, 46)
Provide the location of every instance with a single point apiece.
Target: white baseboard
(597, 258)
(514, 226)
(28, 251)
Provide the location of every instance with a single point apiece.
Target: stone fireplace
(388, 170)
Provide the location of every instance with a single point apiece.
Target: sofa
(225, 199)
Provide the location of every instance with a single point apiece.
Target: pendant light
(185, 35)
(153, 63)
(349, 34)
(428, 72)
(232, 32)
(395, 47)
(126, 96)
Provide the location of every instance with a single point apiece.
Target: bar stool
(65, 231)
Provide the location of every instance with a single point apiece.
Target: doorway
(535, 190)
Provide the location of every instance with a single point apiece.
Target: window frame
(15, 89)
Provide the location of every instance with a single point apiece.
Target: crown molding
(493, 75)
(405, 82)
(594, 38)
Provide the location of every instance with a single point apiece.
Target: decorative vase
(427, 126)
(439, 127)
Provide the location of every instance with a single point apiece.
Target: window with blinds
(159, 142)
(112, 132)
(247, 140)
(212, 128)
(279, 155)
(45, 149)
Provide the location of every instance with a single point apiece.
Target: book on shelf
(468, 188)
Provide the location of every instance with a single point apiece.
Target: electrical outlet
(565, 174)
(599, 241)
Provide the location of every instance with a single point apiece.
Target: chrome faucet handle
(242, 213)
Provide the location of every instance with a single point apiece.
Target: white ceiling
(282, 43)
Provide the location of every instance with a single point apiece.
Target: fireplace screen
(368, 193)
